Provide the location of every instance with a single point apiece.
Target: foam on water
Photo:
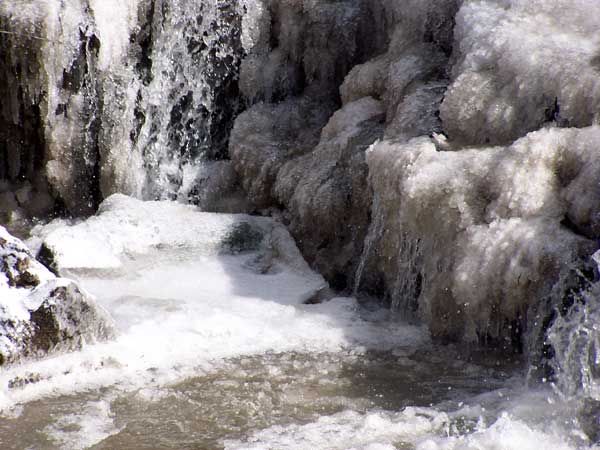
(193, 306)
(504, 419)
(181, 309)
(84, 429)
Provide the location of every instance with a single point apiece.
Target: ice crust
(486, 225)
(125, 228)
(519, 64)
(482, 186)
(115, 96)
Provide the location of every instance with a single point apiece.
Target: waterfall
(439, 157)
(575, 340)
(125, 96)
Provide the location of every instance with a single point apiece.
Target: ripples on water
(249, 394)
(213, 353)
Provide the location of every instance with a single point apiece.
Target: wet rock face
(443, 226)
(420, 150)
(105, 97)
(40, 313)
(293, 151)
(19, 268)
(326, 192)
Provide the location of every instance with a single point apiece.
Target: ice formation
(186, 290)
(520, 64)
(456, 214)
(110, 96)
(440, 154)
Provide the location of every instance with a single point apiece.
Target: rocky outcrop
(473, 253)
(296, 154)
(329, 186)
(521, 66)
(420, 150)
(470, 238)
(40, 313)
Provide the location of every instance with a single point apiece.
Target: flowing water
(234, 348)
(212, 353)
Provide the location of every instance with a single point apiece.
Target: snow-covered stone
(40, 313)
(125, 228)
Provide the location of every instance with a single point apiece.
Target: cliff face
(455, 213)
(105, 97)
(440, 154)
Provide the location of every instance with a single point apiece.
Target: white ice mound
(40, 313)
(126, 228)
(521, 63)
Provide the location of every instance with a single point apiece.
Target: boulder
(40, 313)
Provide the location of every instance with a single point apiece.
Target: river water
(212, 353)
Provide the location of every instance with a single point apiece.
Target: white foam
(348, 430)
(84, 429)
(499, 420)
(180, 311)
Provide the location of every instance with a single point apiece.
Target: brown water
(249, 394)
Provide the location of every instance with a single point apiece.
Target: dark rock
(40, 313)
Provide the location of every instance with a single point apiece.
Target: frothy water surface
(219, 350)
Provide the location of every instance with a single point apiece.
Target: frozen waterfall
(438, 159)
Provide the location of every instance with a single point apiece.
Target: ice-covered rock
(125, 228)
(266, 136)
(298, 155)
(473, 239)
(282, 160)
(519, 64)
(114, 96)
(40, 313)
(329, 187)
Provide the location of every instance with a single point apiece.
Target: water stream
(219, 351)
(441, 153)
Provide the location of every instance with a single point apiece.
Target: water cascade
(372, 220)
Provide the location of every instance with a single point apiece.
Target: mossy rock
(243, 237)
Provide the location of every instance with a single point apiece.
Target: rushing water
(232, 348)
(247, 394)
(213, 353)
